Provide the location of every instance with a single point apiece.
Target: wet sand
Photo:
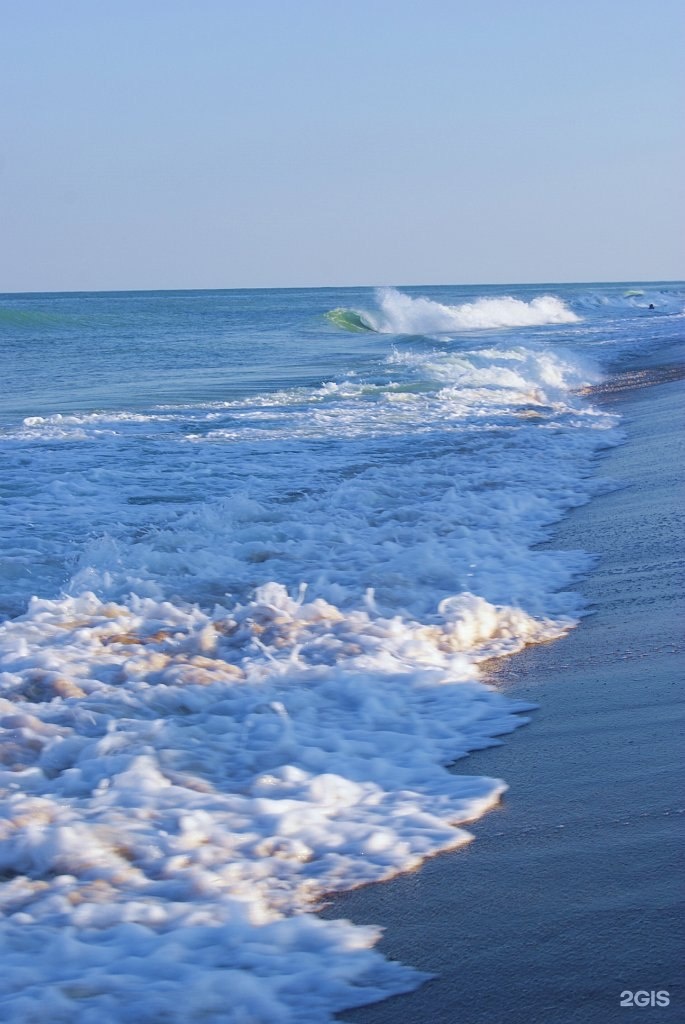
(571, 893)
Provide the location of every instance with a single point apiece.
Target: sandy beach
(569, 898)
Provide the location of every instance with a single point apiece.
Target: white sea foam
(177, 783)
(398, 313)
(96, 426)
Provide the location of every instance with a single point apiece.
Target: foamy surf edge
(175, 803)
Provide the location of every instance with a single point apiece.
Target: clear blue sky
(239, 143)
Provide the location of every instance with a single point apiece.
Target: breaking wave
(398, 313)
(349, 320)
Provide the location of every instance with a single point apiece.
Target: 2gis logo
(643, 998)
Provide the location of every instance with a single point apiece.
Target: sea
(261, 551)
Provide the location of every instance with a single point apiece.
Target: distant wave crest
(662, 298)
(398, 313)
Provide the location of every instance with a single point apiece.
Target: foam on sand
(180, 788)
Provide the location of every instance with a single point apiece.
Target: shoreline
(567, 897)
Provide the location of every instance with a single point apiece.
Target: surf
(399, 313)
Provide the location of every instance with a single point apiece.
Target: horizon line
(338, 287)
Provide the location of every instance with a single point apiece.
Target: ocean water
(258, 547)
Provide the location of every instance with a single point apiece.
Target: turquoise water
(254, 558)
(75, 351)
(71, 352)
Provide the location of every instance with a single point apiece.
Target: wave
(398, 313)
(349, 320)
(423, 401)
